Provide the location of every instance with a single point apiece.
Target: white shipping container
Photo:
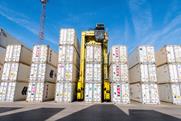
(143, 73)
(169, 73)
(142, 54)
(145, 93)
(15, 72)
(68, 37)
(93, 53)
(13, 91)
(67, 72)
(93, 72)
(169, 54)
(18, 53)
(2, 55)
(120, 93)
(43, 54)
(118, 54)
(93, 92)
(68, 54)
(1, 70)
(65, 92)
(42, 72)
(170, 93)
(39, 92)
(118, 73)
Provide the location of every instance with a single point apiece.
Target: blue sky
(128, 22)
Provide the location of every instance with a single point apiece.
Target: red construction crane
(42, 20)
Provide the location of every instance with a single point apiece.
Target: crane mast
(42, 20)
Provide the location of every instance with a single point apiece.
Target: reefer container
(118, 54)
(15, 72)
(118, 73)
(13, 91)
(170, 93)
(143, 73)
(69, 37)
(93, 72)
(120, 93)
(169, 73)
(93, 92)
(18, 53)
(93, 53)
(144, 93)
(142, 54)
(67, 72)
(39, 92)
(65, 92)
(168, 54)
(68, 54)
(6, 39)
(43, 54)
(42, 72)
(2, 55)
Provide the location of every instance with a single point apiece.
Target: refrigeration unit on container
(118, 72)
(15, 72)
(93, 72)
(18, 53)
(120, 93)
(67, 72)
(65, 92)
(169, 73)
(94, 53)
(68, 54)
(142, 54)
(39, 92)
(2, 55)
(118, 54)
(93, 92)
(68, 37)
(43, 54)
(168, 54)
(170, 93)
(143, 73)
(13, 91)
(6, 39)
(42, 72)
(144, 93)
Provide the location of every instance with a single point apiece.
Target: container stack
(93, 73)
(142, 72)
(118, 75)
(42, 75)
(68, 66)
(168, 61)
(16, 70)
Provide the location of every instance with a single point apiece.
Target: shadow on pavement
(40, 114)
(6, 109)
(113, 113)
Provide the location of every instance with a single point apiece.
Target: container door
(125, 93)
(14, 72)
(179, 72)
(152, 73)
(33, 72)
(154, 93)
(176, 94)
(151, 54)
(145, 93)
(59, 92)
(142, 54)
(6, 71)
(173, 73)
(96, 92)
(170, 54)
(89, 72)
(89, 53)
(124, 73)
(177, 53)
(97, 72)
(144, 73)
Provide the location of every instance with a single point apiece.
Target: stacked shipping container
(2, 57)
(118, 75)
(14, 80)
(68, 66)
(142, 72)
(42, 75)
(168, 61)
(93, 73)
